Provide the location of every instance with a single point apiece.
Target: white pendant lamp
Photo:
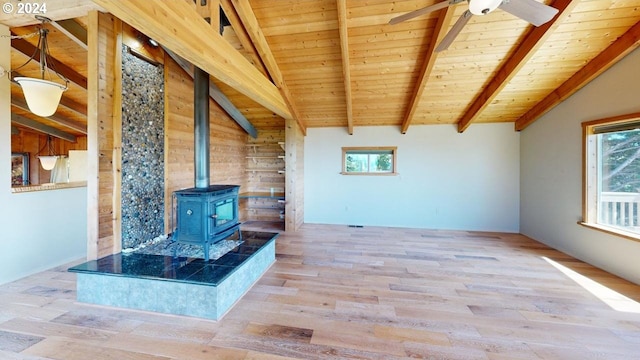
(42, 95)
(48, 162)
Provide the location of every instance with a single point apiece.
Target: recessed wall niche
(142, 150)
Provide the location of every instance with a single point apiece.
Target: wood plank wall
(32, 142)
(228, 152)
(104, 45)
(299, 182)
(227, 140)
(262, 156)
(294, 189)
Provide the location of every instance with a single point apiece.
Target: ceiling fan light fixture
(483, 7)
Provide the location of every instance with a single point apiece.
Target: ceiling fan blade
(529, 10)
(428, 9)
(455, 30)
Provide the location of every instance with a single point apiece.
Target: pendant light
(48, 162)
(42, 95)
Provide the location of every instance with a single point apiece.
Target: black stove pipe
(201, 126)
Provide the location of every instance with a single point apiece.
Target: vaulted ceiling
(339, 63)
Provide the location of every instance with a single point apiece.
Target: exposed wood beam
(439, 32)
(14, 130)
(625, 44)
(525, 51)
(216, 94)
(346, 72)
(250, 22)
(182, 30)
(27, 49)
(74, 106)
(241, 33)
(210, 11)
(21, 104)
(73, 31)
(32, 124)
(56, 10)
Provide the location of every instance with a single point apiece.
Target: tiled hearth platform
(177, 285)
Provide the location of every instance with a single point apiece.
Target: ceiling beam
(510, 68)
(73, 31)
(243, 37)
(27, 49)
(248, 18)
(55, 10)
(184, 32)
(37, 126)
(210, 11)
(82, 128)
(346, 72)
(439, 32)
(216, 94)
(625, 44)
(75, 106)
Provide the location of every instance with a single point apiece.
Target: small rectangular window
(369, 160)
(612, 173)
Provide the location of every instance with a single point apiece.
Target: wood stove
(206, 215)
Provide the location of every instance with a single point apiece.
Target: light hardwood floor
(340, 292)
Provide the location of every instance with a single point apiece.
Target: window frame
(590, 173)
(372, 149)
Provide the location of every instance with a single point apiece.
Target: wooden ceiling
(338, 63)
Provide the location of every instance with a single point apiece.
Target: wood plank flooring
(349, 293)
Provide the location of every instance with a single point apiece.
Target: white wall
(447, 180)
(41, 229)
(551, 172)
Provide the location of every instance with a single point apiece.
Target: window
(369, 160)
(612, 174)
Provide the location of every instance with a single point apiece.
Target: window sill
(368, 173)
(612, 231)
(50, 186)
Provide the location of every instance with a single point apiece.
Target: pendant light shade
(42, 96)
(48, 162)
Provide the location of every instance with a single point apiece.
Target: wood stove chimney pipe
(201, 127)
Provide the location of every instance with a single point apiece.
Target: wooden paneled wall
(227, 140)
(294, 189)
(228, 153)
(32, 142)
(103, 162)
(266, 145)
(265, 167)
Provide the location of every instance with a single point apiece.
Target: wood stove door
(190, 220)
(224, 212)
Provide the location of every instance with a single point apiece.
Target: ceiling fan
(529, 10)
